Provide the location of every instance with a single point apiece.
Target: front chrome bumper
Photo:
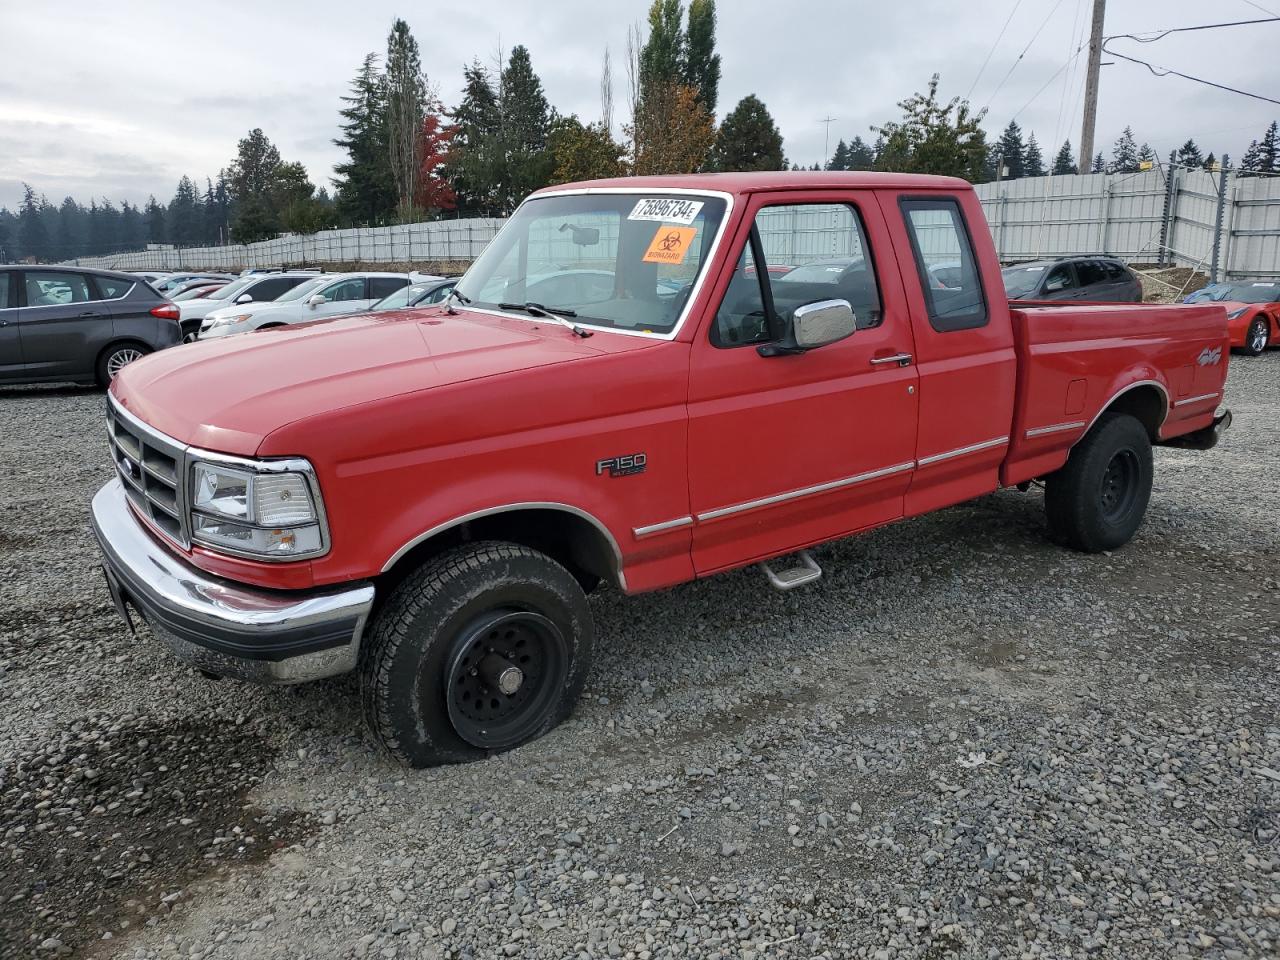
(222, 627)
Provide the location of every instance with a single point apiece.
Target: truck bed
(1074, 360)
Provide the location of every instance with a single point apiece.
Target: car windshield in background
(401, 298)
(304, 289)
(232, 289)
(1247, 292)
(622, 261)
(195, 293)
(823, 271)
(1019, 281)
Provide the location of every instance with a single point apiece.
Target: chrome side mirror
(814, 325)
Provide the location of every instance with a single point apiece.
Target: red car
(426, 496)
(1253, 312)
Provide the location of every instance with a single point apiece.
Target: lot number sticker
(667, 211)
(670, 244)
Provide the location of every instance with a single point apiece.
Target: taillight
(166, 311)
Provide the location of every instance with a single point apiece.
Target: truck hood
(229, 394)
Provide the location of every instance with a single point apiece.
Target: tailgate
(1075, 360)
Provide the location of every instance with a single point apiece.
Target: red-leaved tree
(435, 138)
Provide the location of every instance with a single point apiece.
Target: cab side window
(54, 289)
(946, 265)
(803, 253)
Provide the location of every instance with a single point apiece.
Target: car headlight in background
(1236, 313)
(270, 510)
(227, 321)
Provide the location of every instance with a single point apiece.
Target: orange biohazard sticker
(670, 244)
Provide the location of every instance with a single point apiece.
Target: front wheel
(1256, 338)
(115, 358)
(484, 648)
(1098, 500)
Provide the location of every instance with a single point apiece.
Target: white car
(255, 288)
(325, 296)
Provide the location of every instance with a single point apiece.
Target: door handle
(901, 359)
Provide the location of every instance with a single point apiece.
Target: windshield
(305, 288)
(1020, 281)
(823, 271)
(620, 261)
(1247, 292)
(402, 297)
(194, 293)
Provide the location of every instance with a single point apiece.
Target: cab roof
(756, 182)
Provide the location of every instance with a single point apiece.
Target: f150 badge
(1209, 356)
(626, 465)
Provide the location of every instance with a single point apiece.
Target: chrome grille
(152, 467)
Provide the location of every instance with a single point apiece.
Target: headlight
(1236, 313)
(228, 321)
(270, 510)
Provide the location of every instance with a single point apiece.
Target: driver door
(788, 451)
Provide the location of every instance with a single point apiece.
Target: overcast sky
(119, 100)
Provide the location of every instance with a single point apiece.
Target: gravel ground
(962, 742)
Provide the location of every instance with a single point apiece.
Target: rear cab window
(945, 263)
(797, 254)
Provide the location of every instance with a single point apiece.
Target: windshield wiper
(558, 314)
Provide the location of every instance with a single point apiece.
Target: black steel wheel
(1098, 500)
(482, 648)
(504, 677)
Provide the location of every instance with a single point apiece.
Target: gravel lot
(963, 742)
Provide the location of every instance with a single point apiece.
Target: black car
(1095, 278)
(72, 324)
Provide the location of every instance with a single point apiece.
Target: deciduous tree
(584, 152)
(672, 133)
(406, 99)
(933, 137)
(434, 192)
(702, 63)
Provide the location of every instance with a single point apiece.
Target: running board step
(789, 578)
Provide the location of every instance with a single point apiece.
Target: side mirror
(244, 298)
(814, 325)
(316, 299)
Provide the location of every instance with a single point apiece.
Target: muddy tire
(484, 648)
(1098, 500)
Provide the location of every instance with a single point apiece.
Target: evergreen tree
(1032, 160)
(1146, 155)
(933, 137)
(1251, 162)
(1010, 150)
(1210, 161)
(1124, 154)
(133, 231)
(407, 95)
(104, 228)
(184, 219)
(475, 160)
(583, 152)
(861, 156)
(1269, 150)
(840, 159)
(365, 190)
(269, 195)
(525, 121)
(702, 63)
(663, 56)
(72, 239)
(748, 139)
(33, 238)
(1064, 162)
(8, 250)
(154, 214)
(1189, 155)
(1099, 165)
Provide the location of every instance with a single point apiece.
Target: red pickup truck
(620, 389)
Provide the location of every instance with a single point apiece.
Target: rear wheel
(1098, 500)
(116, 357)
(1257, 337)
(484, 648)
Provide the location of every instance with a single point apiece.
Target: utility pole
(1091, 85)
(826, 142)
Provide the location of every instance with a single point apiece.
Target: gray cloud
(126, 103)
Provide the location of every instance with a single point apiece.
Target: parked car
(1253, 312)
(249, 288)
(178, 289)
(197, 290)
(420, 293)
(1092, 278)
(171, 284)
(322, 296)
(426, 498)
(151, 276)
(77, 325)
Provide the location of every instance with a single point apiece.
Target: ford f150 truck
(620, 389)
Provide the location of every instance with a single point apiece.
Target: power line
(1258, 6)
(1044, 23)
(1166, 71)
(1007, 20)
(1153, 35)
(1070, 60)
